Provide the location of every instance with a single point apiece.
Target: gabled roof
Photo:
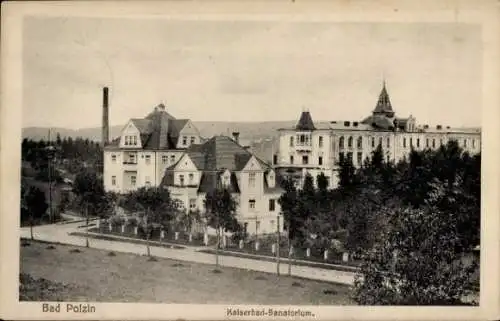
(143, 125)
(219, 153)
(305, 122)
(158, 130)
(384, 103)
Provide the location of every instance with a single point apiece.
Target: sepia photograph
(266, 166)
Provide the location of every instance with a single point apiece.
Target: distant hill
(249, 131)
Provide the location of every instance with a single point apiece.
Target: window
(440, 142)
(291, 159)
(427, 142)
(135, 140)
(320, 160)
(181, 179)
(404, 142)
(275, 159)
(388, 158)
(380, 141)
(388, 142)
(360, 142)
(172, 159)
(113, 158)
(251, 205)
(341, 157)
(184, 140)
(192, 139)
(349, 156)
(433, 143)
(192, 204)
(341, 142)
(113, 180)
(191, 179)
(418, 142)
(373, 142)
(411, 142)
(131, 158)
(473, 143)
(148, 159)
(360, 158)
(349, 142)
(126, 140)
(272, 205)
(465, 142)
(147, 181)
(164, 159)
(305, 160)
(251, 179)
(133, 180)
(320, 141)
(291, 141)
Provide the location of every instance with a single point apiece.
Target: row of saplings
(329, 251)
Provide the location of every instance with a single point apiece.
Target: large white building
(145, 148)
(318, 148)
(223, 162)
(160, 150)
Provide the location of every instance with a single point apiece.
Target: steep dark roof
(218, 153)
(384, 103)
(305, 122)
(379, 122)
(158, 130)
(212, 158)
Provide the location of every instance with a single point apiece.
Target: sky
(247, 70)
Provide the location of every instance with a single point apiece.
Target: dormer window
(226, 178)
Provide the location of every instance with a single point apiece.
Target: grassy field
(81, 274)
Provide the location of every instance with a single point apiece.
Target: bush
(133, 222)
(116, 220)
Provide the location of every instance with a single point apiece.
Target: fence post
(190, 237)
(257, 245)
(176, 236)
(273, 248)
(205, 239)
(123, 228)
(241, 244)
(98, 223)
(110, 227)
(345, 257)
(162, 234)
(325, 255)
(308, 252)
(136, 230)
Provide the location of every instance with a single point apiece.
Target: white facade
(144, 149)
(251, 182)
(312, 149)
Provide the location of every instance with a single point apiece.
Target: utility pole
(87, 224)
(289, 253)
(49, 157)
(278, 245)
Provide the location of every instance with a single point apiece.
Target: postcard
(242, 160)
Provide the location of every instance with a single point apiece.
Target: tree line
(411, 223)
(70, 154)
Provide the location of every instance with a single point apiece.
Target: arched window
(341, 142)
(360, 142)
(349, 141)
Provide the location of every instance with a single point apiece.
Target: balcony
(130, 165)
(303, 148)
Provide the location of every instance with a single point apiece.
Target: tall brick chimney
(105, 117)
